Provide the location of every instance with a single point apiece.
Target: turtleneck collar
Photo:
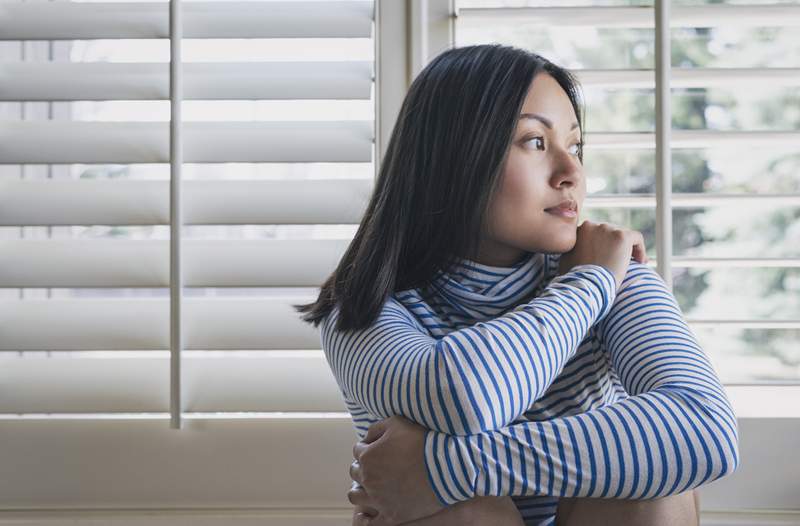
(476, 291)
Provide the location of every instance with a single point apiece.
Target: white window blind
(733, 195)
(277, 140)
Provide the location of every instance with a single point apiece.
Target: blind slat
(62, 383)
(53, 142)
(145, 262)
(54, 81)
(220, 202)
(95, 20)
(143, 324)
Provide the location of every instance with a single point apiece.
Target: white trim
(287, 463)
(663, 136)
(175, 209)
(391, 75)
(765, 401)
(441, 26)
(418, 24)
(689, 200)
(689, 77)
(713, 262)
(745, 324)
(640, 16)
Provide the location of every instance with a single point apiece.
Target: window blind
(731, 203)
(272, 186)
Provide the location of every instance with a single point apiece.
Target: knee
(681, 509)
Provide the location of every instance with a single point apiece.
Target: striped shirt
(535, 385)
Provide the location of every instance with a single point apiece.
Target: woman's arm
(475, 379)
(676, 432)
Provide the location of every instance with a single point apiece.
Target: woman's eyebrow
(544, 120)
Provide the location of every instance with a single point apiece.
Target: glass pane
(738, 293)
(739, 170)
(619, 171)
(740, 108)
(711, 170)
(736, 47)
(750, 230)
(634, 48)
(751, 355)
(570, 47)
(744, 107)
(619, 110)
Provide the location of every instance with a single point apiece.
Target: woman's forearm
(676, 431)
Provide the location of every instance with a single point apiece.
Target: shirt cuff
(450, 467)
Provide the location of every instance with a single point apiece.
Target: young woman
(503, 364)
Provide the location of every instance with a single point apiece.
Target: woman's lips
(562, 212)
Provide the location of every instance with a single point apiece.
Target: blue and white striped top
(537, 386)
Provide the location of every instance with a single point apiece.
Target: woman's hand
(391, 474)
(607, 245)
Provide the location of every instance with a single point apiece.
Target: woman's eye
(578, 147)
(540, 139)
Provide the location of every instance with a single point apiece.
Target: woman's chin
(560, 246)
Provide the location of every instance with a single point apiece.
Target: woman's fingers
(357, 495)
(360, 519)
(639, 249)
(358, 449)
(355, 471)
(363, 513)
(362, 516)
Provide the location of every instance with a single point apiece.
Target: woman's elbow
(732, 452)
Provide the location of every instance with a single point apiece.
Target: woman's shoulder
(393, 309)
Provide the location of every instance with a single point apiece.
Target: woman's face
(541, 171)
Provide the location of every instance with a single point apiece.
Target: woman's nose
(566, 169)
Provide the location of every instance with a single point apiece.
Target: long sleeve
(675, 432)
(474, 379)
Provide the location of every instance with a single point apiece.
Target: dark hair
(442, 164)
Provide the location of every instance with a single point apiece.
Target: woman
(502, 364)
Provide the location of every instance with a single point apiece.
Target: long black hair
(442, 164)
